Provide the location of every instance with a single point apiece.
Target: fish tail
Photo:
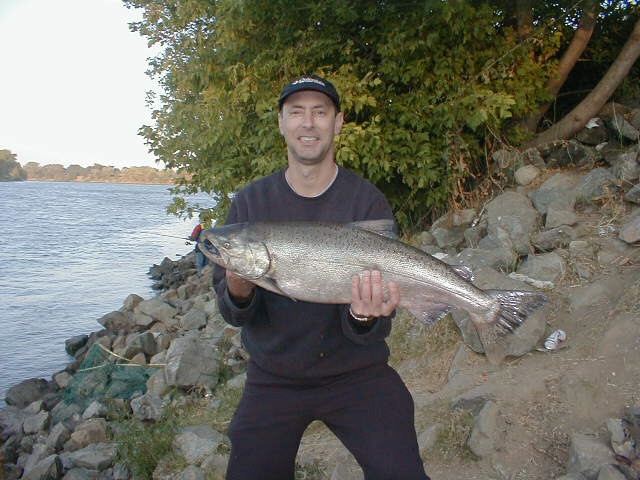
(512, 309)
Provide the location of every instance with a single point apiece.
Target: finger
(365, 287)
(377, 294)
(394, 299)
(355, 291)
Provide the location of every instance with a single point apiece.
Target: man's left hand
(367, 295)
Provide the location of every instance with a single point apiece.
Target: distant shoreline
(124, 181)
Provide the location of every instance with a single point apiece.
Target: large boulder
(511, 220)
(192, 362)
(27, 392)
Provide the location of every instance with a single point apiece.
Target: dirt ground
(543, 397)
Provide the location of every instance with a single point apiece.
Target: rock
(570, 153)
(558, 216)
(193, 320)
(159, 310)
(547, 266)
(39, 453)
(342, 472)
(115, 321)
(98, 456)
(94, 410)
(89, 432)
(527, 174)
(147, 407)
(36, 423)
(33, 407)
(633, 195)
(448, 238)
(630, 231)
(63, 411)
(49, 468)
(572, 476)
(131, 302)
(192, 362)
(10, 450)
(488, 430)
(558, 237)
(587, 455)
(157, 383)
(622, 441)
(57, 437)
(73, 344)
(428, 438)
(81, 474)
(472, 400)
(142, 320)
(143, 342)
(63, 379)
(191, 473)
(557, 190)
(26, 392)
(594, 134)
(238, 381)
(11, 419)
(596, 184)
(609, 472)
(623, 128)
(215, 465)
(195, 443)
(625, 165)
(10, 472)
(498, 258)
(513, 214)
(612, 108)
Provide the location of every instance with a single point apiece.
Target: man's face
(308, 122)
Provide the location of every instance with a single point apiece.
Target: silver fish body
(315, 262)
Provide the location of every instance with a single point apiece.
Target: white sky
(72, 83)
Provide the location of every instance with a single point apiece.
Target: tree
(10, 169)
(591, 105)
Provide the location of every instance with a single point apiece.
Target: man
(315, 361)
(201, 259)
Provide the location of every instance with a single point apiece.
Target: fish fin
(512, 309)
(464, 271)
(384, 227)
(275, 287)
(432, 314)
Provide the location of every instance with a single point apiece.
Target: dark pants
(370, 411)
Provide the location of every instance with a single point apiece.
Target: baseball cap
(310, 82)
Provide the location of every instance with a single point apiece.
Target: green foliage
(422, 83)
(10, 169)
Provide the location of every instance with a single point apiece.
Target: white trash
(554, 340)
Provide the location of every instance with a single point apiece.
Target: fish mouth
(209, 248)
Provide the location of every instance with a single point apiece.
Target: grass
(453, 434)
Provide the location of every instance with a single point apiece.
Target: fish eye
(226, 245)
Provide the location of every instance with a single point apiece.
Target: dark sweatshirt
(302, 340)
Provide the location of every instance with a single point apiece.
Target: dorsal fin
(384, 227)
(464, 271)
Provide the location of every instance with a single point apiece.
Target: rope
(130, 364)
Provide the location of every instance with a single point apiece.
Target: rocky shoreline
(569, 224)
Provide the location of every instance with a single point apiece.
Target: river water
(69, 253)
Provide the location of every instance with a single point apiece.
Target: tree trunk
(571, 55)
(591, 105)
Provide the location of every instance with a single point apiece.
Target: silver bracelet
(358, 317)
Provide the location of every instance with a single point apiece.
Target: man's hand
(367, 295)
(240, 289)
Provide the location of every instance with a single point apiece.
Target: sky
(72, 83)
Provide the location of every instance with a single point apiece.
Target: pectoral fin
(384, 227)
(430, 313)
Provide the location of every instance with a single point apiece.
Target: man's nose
(307, 119)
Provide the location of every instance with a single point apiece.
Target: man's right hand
(241, 290)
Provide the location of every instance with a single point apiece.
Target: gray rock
(558, 216)
(547, 266)
(192, 362)
(341, 471)
(73, 344)
(557, 190)
(527, 174)
(57, 437)
(513, 214)
(425, 238)
(587, 455)
(473, 400)
(159, 310)
(510, 160)
(89, 432)
(623, 128)
(633, 195)
(145, 343)
(10, 450)
(630, 231)
(572, 476)
(559, 237)
(39, 452)
(635, 118)
(580, 249)
(9, 471)
(121, 472)
(428, 438)
(98, 456)
(215, 465)
(142, 320)
(191, 473)
(193, 320)
(115, 321)
(131, 302)
(81, 474)
(197, 442)
(34, 407)
(596, 184)
(594, 135)
(26, 392)
(622, 441)
(95, 410)
(36, 423)
(503, 259)
(49, 468)
(63, 411)
(448, 238)
(63, 379)
(565, 154)
(147, 407)
(11, 419)
(157, 383)
(625, 165)
(613, 108)
(488, 430)
(609, 472)
(238, 381)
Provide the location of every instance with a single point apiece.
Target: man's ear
(339, 121)
(280, 123)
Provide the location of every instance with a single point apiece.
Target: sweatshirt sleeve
(234, 314)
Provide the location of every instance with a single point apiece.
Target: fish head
(232, 247)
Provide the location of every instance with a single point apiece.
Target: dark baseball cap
(310, 82)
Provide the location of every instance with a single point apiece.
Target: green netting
(103, 375)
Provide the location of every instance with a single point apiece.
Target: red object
(196, 232)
